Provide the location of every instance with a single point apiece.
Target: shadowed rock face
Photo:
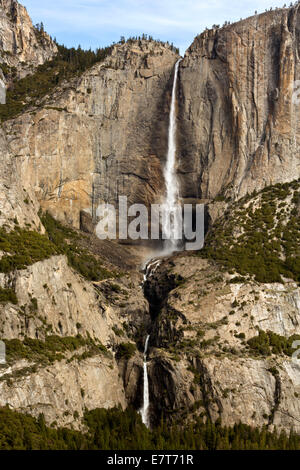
(239, 128)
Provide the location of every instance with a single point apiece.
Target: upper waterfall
(171, 181)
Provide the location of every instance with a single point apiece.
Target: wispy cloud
(95, 23)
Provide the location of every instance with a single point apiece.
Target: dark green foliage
(52, 349)
(126, 351)
(241, 336)
(57, 232)
(29, 90)
(267, 343)
(22, 432)
(268, 244)
(273, 371)
(8, 71)
(118, 331)
(86, 264)
(24, 248)
(66, 241)
(237, 280)
(115, 288)
(8, 296)
(220, 198)
(117, 430)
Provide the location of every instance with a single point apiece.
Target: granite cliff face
(104, 135)
(21, 45)
(239, 124)
(15, 202)
(56, 302)
(199, 356)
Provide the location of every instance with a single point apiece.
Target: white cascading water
(145, 408)
(171, 180)
(171, 244)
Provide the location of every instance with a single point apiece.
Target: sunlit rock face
(239, 125)
(16, 203)
(103, 135)
(21, 45)
(199, 355)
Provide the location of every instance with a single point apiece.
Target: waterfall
(145, 409)
(171, 180)
(171, 244)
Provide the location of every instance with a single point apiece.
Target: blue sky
(94, 23)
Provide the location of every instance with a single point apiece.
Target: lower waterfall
(145, 409)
